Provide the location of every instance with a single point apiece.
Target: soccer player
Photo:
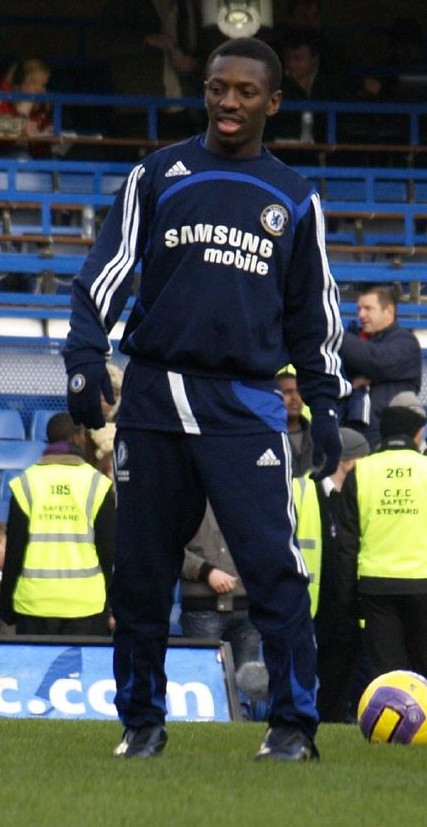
(235, 283)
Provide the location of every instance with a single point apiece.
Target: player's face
(238, 99)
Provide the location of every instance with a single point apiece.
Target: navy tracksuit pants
(163, 480)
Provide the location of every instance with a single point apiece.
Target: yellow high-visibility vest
(392, 497)
(309, 533)
(61, 575)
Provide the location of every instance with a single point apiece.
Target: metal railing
(152, 105)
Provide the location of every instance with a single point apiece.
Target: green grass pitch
(62, 774)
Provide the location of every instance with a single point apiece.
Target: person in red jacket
(32, 76)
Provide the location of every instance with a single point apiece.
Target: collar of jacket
(385, 331)
(396, 443)
(61, 459)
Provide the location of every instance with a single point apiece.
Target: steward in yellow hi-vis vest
(309, 533)
(384, 539)
(392, 501)
(58, 554)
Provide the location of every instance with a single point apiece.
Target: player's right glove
(325, 435)
(86, 384)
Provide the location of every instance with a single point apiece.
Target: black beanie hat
(404, 416)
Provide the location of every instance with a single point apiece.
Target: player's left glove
(325, 435)
(86, 384)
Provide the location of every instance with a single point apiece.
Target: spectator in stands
(298, 424)
(308, 15)
(153, 52)
(383, 542)
(337, 627)
(99, 443)
(116, 376)
(32, 76)
(402, 77)
(214, 601)
(306, 78)
(380, 355)
(59, 548)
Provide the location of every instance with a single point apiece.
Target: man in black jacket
(381, 356)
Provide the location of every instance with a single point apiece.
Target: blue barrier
(55, 186)
(375, 219)
(152, 105)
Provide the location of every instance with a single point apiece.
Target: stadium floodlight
(242, 18)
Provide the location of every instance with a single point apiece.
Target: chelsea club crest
(274, 219)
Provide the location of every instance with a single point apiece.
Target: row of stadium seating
(50, 212)
(12, 425)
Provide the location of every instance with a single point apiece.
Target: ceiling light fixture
(237, 19)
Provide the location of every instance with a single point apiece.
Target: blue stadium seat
(39, 422)
(20, 453)
(11, 424)
(5, 491)
(5, 476)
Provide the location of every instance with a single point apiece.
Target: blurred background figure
(307, 77)
(153, 52)
(98, 444)
(307, 15)
(31, 75)
(380, 355)
(298, 422)
(214, 601)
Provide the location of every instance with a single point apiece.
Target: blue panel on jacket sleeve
(267, 406)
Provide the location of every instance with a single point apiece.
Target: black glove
(327, 445)
(86, 384)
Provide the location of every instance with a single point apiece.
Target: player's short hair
(254, 49)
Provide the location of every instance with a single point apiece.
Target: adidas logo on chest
(177, 169)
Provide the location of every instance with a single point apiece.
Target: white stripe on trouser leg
(299, 559)
(188, 420)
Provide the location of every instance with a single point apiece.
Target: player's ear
(274, 103)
